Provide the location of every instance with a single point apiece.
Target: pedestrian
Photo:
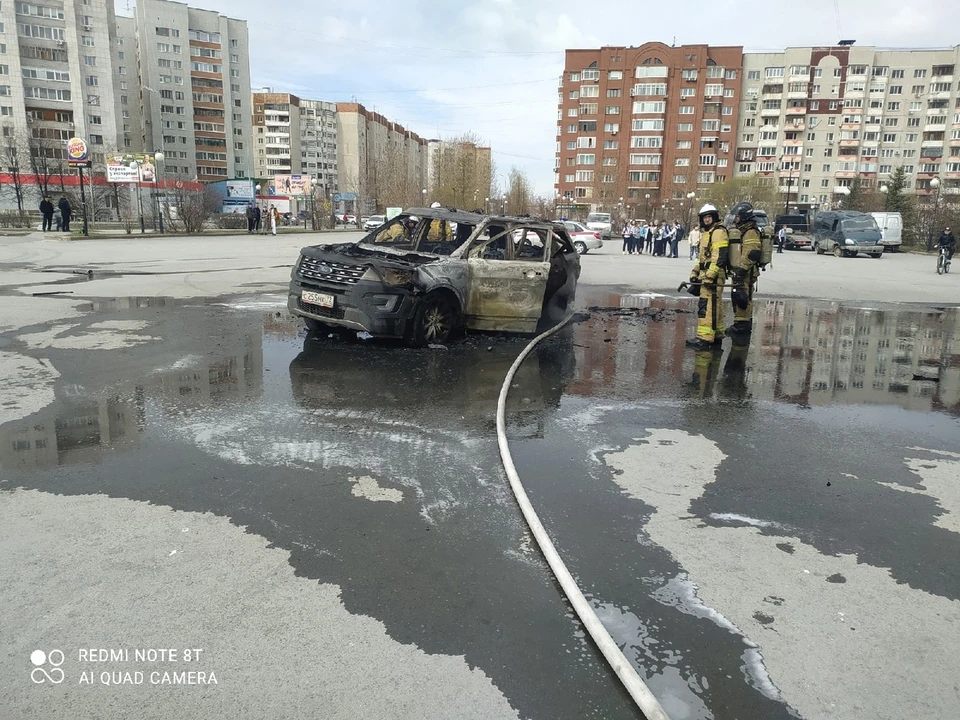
(745, 273)
(781, 238)
(948, 241)
(257, 218)
(46, 210)
(66, 212)
(676, 238)
(637, 238)
(274, 219)
(627, 239)
(707, 277)
(250, 216)
(648, 239)
(694, 240)
(666, 237)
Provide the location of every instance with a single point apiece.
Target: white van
(891, 229)
(600, 222)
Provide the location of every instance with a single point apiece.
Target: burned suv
(430, 272)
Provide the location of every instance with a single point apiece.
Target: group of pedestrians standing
(661, 240)
(47, 210)
(255, 218)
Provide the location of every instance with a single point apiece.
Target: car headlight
(393, 276)
(848, 241)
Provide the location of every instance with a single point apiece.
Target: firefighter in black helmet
(744, 276)
(709, 274)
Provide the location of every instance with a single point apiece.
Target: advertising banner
(119, 168)
(292, 185)
(240, 189)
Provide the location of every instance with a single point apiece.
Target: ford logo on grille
(325, 269)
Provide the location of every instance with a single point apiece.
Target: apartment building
(295, 136)
(56, 78)
(194, 90)
(814, 118)
(643, 125)
(378, 161)
(276, 134)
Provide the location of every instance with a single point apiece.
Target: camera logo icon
(47, 667)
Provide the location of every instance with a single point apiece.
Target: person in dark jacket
(46, 209)
(678, 233)
(257, 218)
(948, 241)
(250, 218)
(66, 212)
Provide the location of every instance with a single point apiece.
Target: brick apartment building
(645, 125)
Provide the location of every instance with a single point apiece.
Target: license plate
(315, 298)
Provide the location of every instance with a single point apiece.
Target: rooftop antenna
(674, 41)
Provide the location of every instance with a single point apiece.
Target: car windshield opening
(859, 224)
(401, 232)
(598, 217)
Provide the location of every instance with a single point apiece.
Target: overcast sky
(443, 67)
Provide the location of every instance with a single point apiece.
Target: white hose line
(624, 669)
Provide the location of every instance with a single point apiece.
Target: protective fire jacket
(714, 248)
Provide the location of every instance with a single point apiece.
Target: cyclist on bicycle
(948, 241)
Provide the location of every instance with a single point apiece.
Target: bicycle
(943, 262)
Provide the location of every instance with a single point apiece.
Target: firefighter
(709, 274)
(745, 274)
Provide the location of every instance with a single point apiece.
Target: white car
(373, 222)
(601, 222)
(584, 240)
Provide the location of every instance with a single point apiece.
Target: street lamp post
(934, 185)
(486, 206)
(843, 191)
(646, 209)
(158, 158)
(503, 205)
(135, 165)
(424, 194)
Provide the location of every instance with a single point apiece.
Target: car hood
(363, 251)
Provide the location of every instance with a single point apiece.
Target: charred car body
(432, 271)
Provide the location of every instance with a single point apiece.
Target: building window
(685, 127)
(613, 92)
(612, 110)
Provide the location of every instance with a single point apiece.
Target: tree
(520, 195)
(460, 172)
(750, 188)
(895, 200)
(188, 210)
(14, 160)
(46, 160)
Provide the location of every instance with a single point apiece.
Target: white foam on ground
(27, 387)
(369, 489)
(107, 335)
(870, 647)
(941, 481)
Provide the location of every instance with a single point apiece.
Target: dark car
(846, 233)
(430, 272)
(798, 231)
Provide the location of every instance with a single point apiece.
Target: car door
(507, 279)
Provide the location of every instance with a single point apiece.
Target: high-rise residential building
(378, 161)
(276, 134)
(295, 136)
(318, 144)
(814, 118)
(194, 94)
(637, 126)
(57, 79)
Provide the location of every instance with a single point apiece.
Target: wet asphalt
(240, 413)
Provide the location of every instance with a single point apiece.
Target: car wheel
(314, 325)
(435, 320)
(877, 256)
(580, 247)
(838, 251)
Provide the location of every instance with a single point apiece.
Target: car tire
(435, 320)
(877, 256)
(816, 249)
(838, 251)
(580, 247)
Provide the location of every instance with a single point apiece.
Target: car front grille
(335, 312)
(332, 272)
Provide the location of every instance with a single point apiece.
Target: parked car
(430, 272)
(798, 231)
(601, 222)
(347, 219)
(846, 233)
(760, 216)
(891, 229)
(584, 240)
(373, 222)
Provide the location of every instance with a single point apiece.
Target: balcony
(797, 95)
(931, 152)
(770, 112)
(793, 143)
(931, 143)
(934, 128)
(793, 111)
(849, 142)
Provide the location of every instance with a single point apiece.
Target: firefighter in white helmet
(709, 275)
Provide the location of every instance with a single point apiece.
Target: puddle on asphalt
(803, 353)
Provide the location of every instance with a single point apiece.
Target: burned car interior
(429, 273)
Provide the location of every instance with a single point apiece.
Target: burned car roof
(473, 218)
